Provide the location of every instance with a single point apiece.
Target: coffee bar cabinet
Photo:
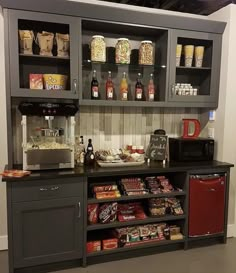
(47, 221)
(204, 79)
(26, 58)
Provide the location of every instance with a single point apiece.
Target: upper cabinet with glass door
(194, 68)
(44, 55)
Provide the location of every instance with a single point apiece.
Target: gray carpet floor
(212, 259)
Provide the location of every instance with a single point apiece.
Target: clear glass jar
(123, 51)
(98, 49)
(146, 53)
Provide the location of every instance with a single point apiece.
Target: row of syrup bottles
(139, 88)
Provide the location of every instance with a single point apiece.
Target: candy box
(93, 246)
(109, 244)
(36, 81)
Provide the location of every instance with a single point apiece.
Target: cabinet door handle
(43, 189)
(212, 189)
(79, 210)
(75, 85)
(54, 188)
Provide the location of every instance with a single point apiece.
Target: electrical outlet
(212, 115)
(211, 132)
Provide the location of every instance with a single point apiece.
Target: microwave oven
(199, 149)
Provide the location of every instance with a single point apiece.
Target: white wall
(225, 129)
(3, 140)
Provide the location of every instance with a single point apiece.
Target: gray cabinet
(22, 65)
(206, 78)
(47, 221)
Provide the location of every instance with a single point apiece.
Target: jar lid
(134, 147)
(98, 36)
(140, 148)
(123, 39)
(146, 42)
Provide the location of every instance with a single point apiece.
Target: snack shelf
(127, 248)
(136, 197)
(148, 220)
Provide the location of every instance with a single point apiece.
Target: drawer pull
(79, 210)
(54, 189)
(43, 189)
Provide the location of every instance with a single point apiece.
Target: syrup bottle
(109, 87)
(94, 87)
(151, 89)
(89, 158)
(124, 87)
(139, 89)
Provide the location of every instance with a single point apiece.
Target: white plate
(119, 164)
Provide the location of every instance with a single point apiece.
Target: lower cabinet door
(47, 231)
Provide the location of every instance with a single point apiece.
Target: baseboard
(3, 242)
(231, 232)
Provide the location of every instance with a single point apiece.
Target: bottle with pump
(109, 87)
(89, 158)
(139, 89)
(79, 151)
(95, 87)
(124, 87)
(151, 89)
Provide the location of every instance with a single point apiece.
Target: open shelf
(132, 66)
(148, 220)
(35, 56)
(144, 245)
(122, 103)
(193, 68)
(42, 93)
(137, 197)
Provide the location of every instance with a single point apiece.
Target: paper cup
(199, 53)
(178, 54)
(188, 52)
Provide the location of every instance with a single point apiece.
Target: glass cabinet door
(194, 67)
(44, 55)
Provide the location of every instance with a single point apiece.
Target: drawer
(47, 189)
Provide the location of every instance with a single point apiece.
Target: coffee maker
(48, 135)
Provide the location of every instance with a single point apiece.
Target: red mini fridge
(206, 204)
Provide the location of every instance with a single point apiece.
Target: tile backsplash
(118, 126)
(115, 127)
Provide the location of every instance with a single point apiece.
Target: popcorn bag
(26, 41)
(63, 44)
(45, 42)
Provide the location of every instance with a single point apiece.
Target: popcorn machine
(48, 135)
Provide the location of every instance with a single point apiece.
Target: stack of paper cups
(199, 52)
(178, 54)
(188, 52)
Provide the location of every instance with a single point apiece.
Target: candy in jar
(98, 49)
(123, 51)
(146, 53)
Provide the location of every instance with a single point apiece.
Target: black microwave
(199, 149)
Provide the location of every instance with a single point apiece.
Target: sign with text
(158, 147)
